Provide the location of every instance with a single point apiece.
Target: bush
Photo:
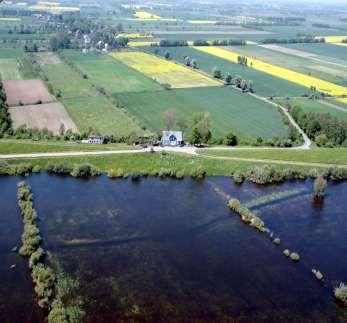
(36, 257)
(319, 186)
(199, 173)
(294, 256)
(116, 173)
(58, 313)
(59, 169)
(265, 175)
(340, 293)
(246, 215)
(230, 139)
(44, 279)
(238, 177)
(85, 170)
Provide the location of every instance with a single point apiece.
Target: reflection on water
(164, 250)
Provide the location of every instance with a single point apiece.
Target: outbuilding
(172, 138)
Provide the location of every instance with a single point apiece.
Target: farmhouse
(94, 139)
(172, 138)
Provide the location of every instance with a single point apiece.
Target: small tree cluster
(246, 215)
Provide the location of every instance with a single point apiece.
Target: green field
(153, 163)
(322, 70)
(64, 78)
(9, 69)
(15, 146)
(264, 84)
(87, 108)
(230, 110)
(111, 74)
(99, 114)
(308, 105)
(339, 53)
(6, 52)
(318, 155)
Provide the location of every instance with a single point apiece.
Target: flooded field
(171, 251)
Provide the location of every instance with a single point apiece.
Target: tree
(321, 140)
(195, 138)
(230, 139)
(167, 55)
(319, 186)
(187, 61)
(228, 79)
(182, 125)
(169, 119)
(216, 73)
(250, 86)
(61, 129)
(202, 122)
(243, 85)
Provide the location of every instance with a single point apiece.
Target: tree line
(323, 128)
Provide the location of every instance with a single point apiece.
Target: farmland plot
(41, 116)
(22, 92)
(275, 70)
(163, 71)
(111, 74)
(102, 116)
(263, 83)
(230, 110)
(9, 69)
(308, 65)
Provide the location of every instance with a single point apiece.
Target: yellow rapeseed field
(163, 71)
(10, 19)
(133, 35)
(284, 73)
(333, 39)
(146, 15)
(142, 43)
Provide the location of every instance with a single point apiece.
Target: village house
(94, 139)
(172, 138)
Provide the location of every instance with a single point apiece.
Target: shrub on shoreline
(320, 186)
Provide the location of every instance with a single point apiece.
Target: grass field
(111, 74)
(336, 156)
(11, 53)
(163, 71)
(9, 69)
(64, 78)
(280, 72)
(15, 146)
(264, 84)
(308, 66)
(308, 105)
(153, 163)
(87, 108)
(230, 110)
(99, 114)
(329, 51)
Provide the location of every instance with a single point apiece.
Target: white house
(94, 139)
(172, 138)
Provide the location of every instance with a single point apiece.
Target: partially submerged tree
(320, 185)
